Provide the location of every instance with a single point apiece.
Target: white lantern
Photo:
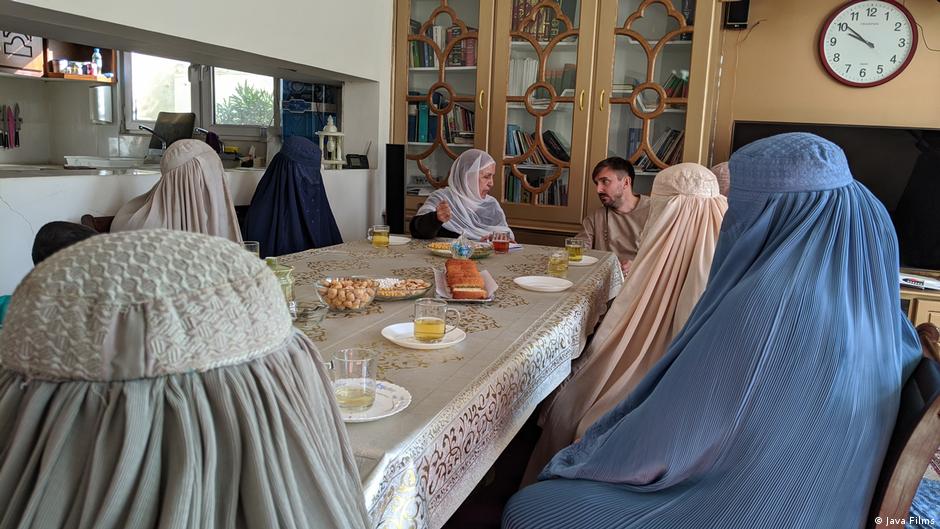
(331, 146)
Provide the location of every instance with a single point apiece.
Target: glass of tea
(252, 247)
(430, 319)
(379, 236)
(575, 248)
(558, 264)
(500, 240)
(353, 373)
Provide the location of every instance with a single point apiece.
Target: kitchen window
(233, 104)
(154, 84)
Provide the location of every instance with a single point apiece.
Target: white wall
(28, 202)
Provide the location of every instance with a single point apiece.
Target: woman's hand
(625, 266)
(443, 212)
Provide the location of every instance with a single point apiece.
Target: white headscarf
(472, 216)
(192, 195)
(152, 378)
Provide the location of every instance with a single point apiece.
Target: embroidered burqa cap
(152, 379)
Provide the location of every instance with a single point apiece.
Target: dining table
(467, 400)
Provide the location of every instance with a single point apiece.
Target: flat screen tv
(900, 166)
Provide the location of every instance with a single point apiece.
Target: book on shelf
(555, 147)
(688, 11)
(423, 55)
(677, 85)
(555, 195)
(634, 135)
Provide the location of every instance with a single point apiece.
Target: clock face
(867, 42)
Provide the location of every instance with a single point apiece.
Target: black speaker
(395, 187)
(736, 14)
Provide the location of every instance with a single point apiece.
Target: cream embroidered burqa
(667, 278)
(191, 195)
(152, 379)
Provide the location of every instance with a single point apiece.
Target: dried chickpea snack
(347, 293)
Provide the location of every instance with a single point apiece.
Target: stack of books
(423, 56)
(668, 148)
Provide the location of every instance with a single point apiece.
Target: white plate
(586, 260)
(403, 334)
(395, 240)
(543, 283)
(389, 400)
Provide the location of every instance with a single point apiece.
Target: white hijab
(192, 195)
(472, 216)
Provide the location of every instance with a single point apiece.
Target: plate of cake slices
(462, 282)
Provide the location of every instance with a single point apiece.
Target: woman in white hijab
(667, 278)
(192, 195)
(158, 394)
(463, 207)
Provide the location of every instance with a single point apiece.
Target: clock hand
(857, 36)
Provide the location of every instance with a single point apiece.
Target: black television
(901, 166)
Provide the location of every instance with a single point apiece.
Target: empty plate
(586, 260)
(389, 400)
(543, 283)
(403, 334)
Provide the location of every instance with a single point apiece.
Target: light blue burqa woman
(774, 405)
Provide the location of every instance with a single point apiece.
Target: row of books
(555, 195)
(423, 124)
(668, 148)
(519, 142)
(464, 52)
(547, 25)
(677, 85)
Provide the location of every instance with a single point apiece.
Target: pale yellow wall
(772, 73)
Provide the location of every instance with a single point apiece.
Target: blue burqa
(290, 211)
(774, 405)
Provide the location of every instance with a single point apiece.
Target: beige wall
(772, 73)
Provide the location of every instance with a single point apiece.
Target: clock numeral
(881, 69)
(897, 26)
(862, 73)
(836, 57)
(902, 42)
(887, 15)
(847, 68)
(832, 41)
(843, 26)
(894, 59)
(854, 15)
(872, 11)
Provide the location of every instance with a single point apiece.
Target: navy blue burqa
(774, 405)
(290, 211)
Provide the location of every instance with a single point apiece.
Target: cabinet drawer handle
(481, 98)
(581, 100)
(603, 93)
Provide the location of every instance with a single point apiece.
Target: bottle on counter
(97, 61)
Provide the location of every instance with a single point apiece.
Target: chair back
(99, 224)
(915, 438)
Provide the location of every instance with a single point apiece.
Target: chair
(99, 224)
(915, 438)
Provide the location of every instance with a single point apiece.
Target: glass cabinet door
(541, 87)
(447, 74)
(644, 62)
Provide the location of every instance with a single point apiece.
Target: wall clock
(866, 43)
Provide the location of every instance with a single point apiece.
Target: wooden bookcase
(589, 71)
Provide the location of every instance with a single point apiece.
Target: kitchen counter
(34, 196)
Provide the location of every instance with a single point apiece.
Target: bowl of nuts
(394, 289)
(347, 293)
